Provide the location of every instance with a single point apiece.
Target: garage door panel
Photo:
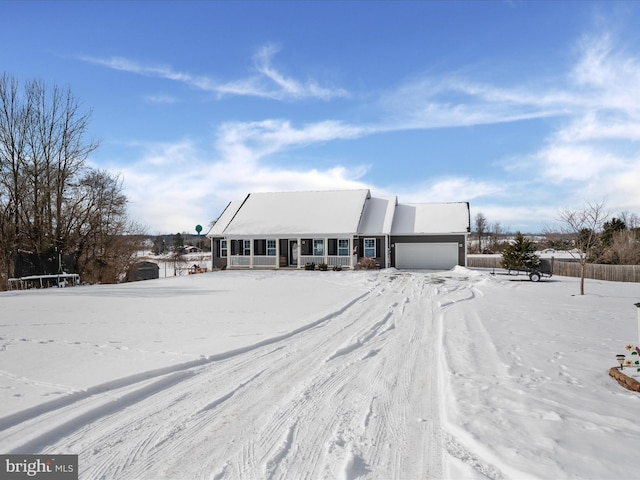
(432, 256)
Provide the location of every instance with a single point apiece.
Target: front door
(293, 253)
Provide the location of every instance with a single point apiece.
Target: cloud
(160, 99)
(288, 87)
(589, 153)
(173, 185)
(447, 189)
(269, 82)
(594, 154)
(454, 102)
(257, 139)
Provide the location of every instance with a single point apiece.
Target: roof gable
(377, 217)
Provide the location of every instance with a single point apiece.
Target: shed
(143, 271)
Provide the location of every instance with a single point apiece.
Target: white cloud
(455, 102)
(258, 139)
(160, 99)
(594, 108)
(566, 162)
(289, 87)
(449, 189)
(532, 218)
(268, 83)
(173, 185)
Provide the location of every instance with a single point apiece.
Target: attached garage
(431, 256)
(430, 236)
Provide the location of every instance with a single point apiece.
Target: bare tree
(496, 234)
(631, 220)
(624, 249)
(13, 114)
(481, 227)
(583, 226)
(50, 199)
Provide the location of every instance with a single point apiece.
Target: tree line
(51, 201)
(589, 234)
(590, 230)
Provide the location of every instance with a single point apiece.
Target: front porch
(243, 261)
(288, 252)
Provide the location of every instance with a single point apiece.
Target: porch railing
(271, 261)
(259, 261)
(332, 260)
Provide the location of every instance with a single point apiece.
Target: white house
(337, 228)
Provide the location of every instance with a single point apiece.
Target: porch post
(386, 251)
(351, 252)
(251, 253)
(213, 254)
(277, 253)
(326, 251)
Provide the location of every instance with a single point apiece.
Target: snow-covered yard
(295, 374)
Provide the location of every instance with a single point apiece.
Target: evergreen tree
(178, 243)
(158, 246)
(520, 254)
(610, 228)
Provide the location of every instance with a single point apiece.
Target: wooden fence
(567, 268)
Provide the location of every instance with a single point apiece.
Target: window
(370, 247)
(318, 247)
(343, 247)
(271, 248)
(246, 251)
(223, 249)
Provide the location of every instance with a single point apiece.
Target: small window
(224, 250)
(370, 247)
(343, 247)
(246, 251)
(318, 247)
(271, 248)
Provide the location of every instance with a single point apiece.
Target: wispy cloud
(266, 82)
(160, 99)
(593, 108)
(455, 102)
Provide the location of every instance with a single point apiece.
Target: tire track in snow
(472, 360)
(117, 384)
(354, 395)
(66, 427)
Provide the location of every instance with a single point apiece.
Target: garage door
(432, 256)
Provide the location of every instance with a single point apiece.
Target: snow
(225, 217)
(323, 212)
(431, 218)
(340, 212)
(378, 215)
(297, 374)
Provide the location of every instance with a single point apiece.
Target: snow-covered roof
(301, 213)
(337, 212)
(378, 216)
(431, 218)
(225, 217)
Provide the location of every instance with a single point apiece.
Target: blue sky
(520, 108)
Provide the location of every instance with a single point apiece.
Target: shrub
(367, 263)
(310, 266)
